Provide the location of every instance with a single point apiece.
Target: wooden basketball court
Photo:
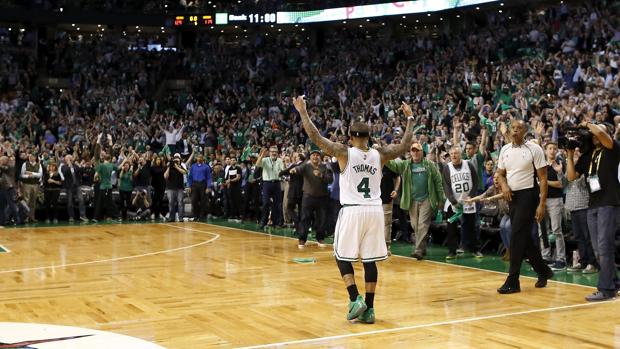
(194, 285)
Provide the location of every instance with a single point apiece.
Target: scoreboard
(193, 20)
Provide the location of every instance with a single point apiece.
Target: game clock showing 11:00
(262, 18)
(251, 18)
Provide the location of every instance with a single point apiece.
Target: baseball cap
(417, 146)
(177, 155)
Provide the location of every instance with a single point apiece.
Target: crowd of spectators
(186, 6)
(550, 69)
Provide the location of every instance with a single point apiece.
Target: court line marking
(77, 264)
(432, 324)
(411, 258)
(6, 250)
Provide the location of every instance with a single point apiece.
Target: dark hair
(359, 129)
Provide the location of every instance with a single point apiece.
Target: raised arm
(331, 148)
(261, 155)
(484, 141)
(393, 151)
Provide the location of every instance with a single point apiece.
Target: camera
(575, 137)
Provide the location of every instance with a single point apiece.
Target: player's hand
(316, 172)
(393, 194)
(300, 104)
(557, 167)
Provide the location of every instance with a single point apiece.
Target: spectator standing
(233, 185)
(104, 199)
(142, 174)
(600, 167)
(271, 193)
(390, 185)
(175, 188)
(52, 185)
(554, 208)
(199, 182)
(317, 176)
(577, 200)
(31, 176)
(158, 182)
(7, 191)
(295, 192)
(460, 183)
(71, 174)
(125, 187)
(422, 193)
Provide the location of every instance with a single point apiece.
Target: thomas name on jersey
(365, 168)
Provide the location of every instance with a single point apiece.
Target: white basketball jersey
(360, 182)
(462, 183)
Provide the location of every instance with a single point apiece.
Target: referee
(519, 165)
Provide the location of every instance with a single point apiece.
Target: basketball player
(359, 230)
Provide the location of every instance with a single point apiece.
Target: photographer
(142, 204)
(599, 165)
(174, 187)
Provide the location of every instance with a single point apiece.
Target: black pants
(468, 229)
(522, 217)
(332, 216)
(403, 231)
(226, 201)
(51, 202)
(159, 209)
(293, 209)
(9, 207)
(199, 200)
(313, 208)
(105, 204)
(253, 203)
(234, 201)
(272, 203)
(125, 202)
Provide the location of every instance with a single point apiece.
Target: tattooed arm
(392, 151)
(337, 150)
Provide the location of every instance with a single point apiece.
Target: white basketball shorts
(359, 234)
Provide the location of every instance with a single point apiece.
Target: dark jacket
(69, 181)
(447, 183)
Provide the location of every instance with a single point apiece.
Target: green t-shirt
(239, 138)
(125, 182)
(419, 183)
(105, 174)
(490, 125)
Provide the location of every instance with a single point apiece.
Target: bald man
(522, 174)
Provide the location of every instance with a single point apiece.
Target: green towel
(304, 260)
(457, 215)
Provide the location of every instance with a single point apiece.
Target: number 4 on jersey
(364, 187)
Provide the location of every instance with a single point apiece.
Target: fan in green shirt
(104, 171)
